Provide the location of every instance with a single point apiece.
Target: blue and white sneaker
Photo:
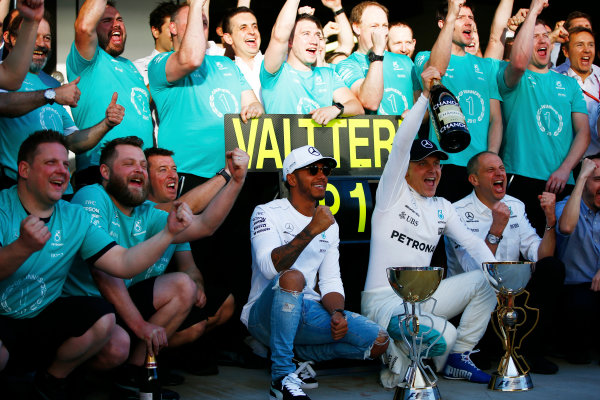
(460, 366)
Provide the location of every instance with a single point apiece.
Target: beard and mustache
(36, 66)
(117, 187)
(110, 48)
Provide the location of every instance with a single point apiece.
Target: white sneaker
(287, 388)
(306, 374)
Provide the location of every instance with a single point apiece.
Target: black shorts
(142, 294)
(32, 342)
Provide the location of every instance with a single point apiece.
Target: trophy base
(410, 393)
(519, 383)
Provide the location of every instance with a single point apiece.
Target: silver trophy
(509, 280)
(415, 285)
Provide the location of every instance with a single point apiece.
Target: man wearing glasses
(293, 240)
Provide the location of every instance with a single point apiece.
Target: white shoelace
(305, 370)
(292, 384)
(466, 357)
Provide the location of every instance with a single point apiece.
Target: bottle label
(449, 114)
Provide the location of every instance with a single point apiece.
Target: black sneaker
(47, 387)
(287, 388)
(306, 374)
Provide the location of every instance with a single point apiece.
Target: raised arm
(200, 196)
(369, 91)
(277, 50)
(345, 37)
(548, 243)
(496, 127)
(570, 215)
(16, 65)
(127, 263)
(442, 48)
(495, 47)
(86, 38)
(209, 221)
(190, 54)
(523, 45)
(85, 139)
(581, 128)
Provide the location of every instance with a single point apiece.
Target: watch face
(50, 94)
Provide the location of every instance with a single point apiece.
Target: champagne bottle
(150, 386)
(448, 120)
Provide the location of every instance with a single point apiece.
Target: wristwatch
(340, 106)
(224, 174)
(50, 96)
(493, 239)
(341, 311)
(374, 57)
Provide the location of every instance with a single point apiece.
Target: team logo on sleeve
(440, 214)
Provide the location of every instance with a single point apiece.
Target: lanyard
(591, 95)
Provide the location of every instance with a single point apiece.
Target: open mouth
(468, 34)
(542, 51)
(251, 42)
(57, 183)
(136, 182)
(116, 37)
(499, 186)
(172, 186)
(312, 51)
(430, 181)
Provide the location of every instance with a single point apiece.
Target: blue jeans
(285, 321)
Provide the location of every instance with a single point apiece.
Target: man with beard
(40, 235)
(290, 82)
(35, 106)
(546, 125)
(100, 37)
(154, 309)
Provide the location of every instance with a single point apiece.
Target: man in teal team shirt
(545, 115)
(40, 235)
(35, 107)
(470, 79)
(153, 310)
(100, 37)
(294, 86)
(382, 81)
(193, 92)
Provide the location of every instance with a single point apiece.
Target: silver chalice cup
(415, 285)
(509, 280)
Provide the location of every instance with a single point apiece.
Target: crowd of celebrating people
(99, 265)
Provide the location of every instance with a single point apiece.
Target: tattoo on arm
(284, 256)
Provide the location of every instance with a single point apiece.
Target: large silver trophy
(415, 285)
(510, 278)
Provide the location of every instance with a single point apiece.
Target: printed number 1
(359, 193)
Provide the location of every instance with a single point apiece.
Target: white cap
(303, 156)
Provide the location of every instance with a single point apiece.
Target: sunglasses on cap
(314, 169)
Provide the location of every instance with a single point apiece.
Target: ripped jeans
(285, 322)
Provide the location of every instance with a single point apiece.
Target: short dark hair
(110, 148)
(306, 17)
(357, 10)
(473, 164)
(574, 15)
(157, 151)
(401, 24)
(442, 10)
(538, 21)
(579, 29)
(29, 146)
(111, 3)
(162, 11)
(226, 22)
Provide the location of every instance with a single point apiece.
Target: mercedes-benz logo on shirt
(426, 143)
(469, 215)
(313, 151)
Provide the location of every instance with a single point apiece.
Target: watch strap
(338, 12)
(225, 175)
